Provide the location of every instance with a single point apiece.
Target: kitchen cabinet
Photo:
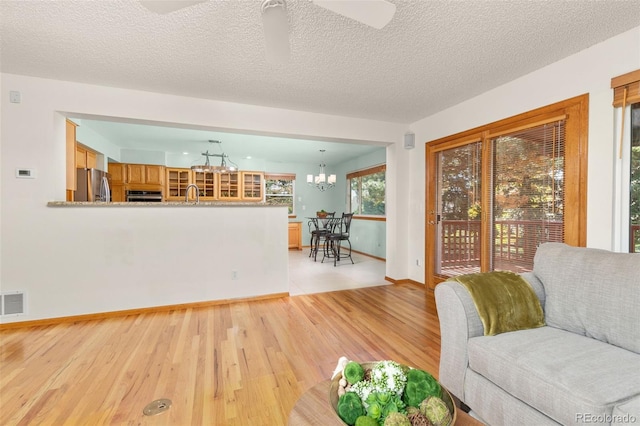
(177, 182)
(252, 186)
(206, 182)
(86, 158)
(145, 174)
(118, 193)
(135, 173)
(295, 235)
(71, 159)
(118, 172)
(154, 175)
(229, 186)
(179, 178)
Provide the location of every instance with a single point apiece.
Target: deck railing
(513, 242)
(634, 238)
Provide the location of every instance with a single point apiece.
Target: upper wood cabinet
(229, 186)
(177, 181)
(145, 174)
(71, 159)
(135, 173)
(206, 182)
(118, 172)
(252, 186)
(86, 158)
(154, 175)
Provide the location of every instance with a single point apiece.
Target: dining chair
(318, 230)
(334, 239)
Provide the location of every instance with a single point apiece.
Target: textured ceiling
(432, 55)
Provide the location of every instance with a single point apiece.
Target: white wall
(589, 71)
(73, 261)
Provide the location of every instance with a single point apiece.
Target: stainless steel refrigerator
(93, 185)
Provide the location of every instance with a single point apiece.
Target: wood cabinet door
(118, 173)
(71, 159)
(154, 175)
(177, 182)
(229, 186)
(135, 173)
(206, 182)
(252, 186)
(92, 160)
(295, 235)
(81, 158)
(117, 193)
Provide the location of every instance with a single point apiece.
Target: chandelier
(322, 181)
(208, 167)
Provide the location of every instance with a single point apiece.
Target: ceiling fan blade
(374, 13)
(168, 6)
(276, 31)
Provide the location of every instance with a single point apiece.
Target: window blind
(528, 193)
(626, 89)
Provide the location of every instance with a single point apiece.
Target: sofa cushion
(557, 372)
(592, 292)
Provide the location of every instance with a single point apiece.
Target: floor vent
(12, 303)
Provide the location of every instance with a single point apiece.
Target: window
(367, 191)
(634, 181)
(495, 193)
(626, 101)
(280, 190)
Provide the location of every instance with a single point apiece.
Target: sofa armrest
(459, 321)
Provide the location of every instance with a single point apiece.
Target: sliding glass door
(496, 193)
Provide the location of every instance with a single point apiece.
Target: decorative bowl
(333, 393)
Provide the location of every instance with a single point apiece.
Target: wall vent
(12, 303)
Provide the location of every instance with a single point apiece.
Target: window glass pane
(367, 192)
(528, 194)
(634, 184)
(280, 192)
(373, 187)
(355, 196)
(459, 194)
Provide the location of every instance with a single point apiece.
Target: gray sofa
(582, 367)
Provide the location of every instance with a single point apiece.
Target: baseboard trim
(152, 309)
(404, 281)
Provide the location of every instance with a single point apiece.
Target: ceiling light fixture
(321, 181)
(208, 167)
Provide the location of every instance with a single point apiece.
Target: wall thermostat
(26, 173)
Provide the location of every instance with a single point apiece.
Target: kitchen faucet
(186, 193)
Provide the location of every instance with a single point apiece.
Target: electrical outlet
(234, 275)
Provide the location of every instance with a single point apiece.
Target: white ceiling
(432, 55)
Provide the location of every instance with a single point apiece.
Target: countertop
(156, 204)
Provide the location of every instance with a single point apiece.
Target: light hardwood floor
(239, 364)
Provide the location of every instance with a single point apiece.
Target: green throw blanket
(504, 300)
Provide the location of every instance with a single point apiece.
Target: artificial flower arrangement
(386, 393)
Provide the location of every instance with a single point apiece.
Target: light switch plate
(14, 97)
